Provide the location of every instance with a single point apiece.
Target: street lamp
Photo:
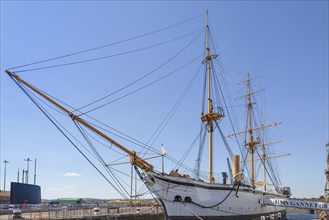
(27, 172)
(4, 184)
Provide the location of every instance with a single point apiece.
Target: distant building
(70, 201)
(4, 197)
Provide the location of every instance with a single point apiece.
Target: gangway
(293, 203)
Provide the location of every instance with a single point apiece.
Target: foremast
(134, 159)
(211, 116)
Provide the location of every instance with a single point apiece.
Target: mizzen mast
(211, 116)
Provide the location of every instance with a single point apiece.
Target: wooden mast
(251, 144)
(211, 116)
(210, 123)
(134, 159)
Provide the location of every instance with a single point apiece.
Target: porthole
(178, 198)
(188, 199)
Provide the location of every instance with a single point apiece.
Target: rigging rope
(224, 100)
(143, 87)
(99, 158)
(134, 141)
(137, 143)
(96, 154)
(275, 183)
(104, 57)
(63, 133)
(197, 166)
(157, 68)
(170, 114)
(111, 44)
(178, 165)
(62, 127)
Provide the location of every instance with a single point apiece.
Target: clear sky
(283, 42)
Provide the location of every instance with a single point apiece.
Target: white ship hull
(186, 198)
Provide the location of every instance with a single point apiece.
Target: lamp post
(35, 170)
(27, 171)
(4, 182)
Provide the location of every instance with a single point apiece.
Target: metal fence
(89, 211)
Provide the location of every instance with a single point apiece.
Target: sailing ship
(186, 197)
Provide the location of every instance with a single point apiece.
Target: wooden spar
(255, 129)
(134, 159)
(250, 94)
(270, 157)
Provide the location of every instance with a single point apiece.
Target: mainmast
(251, 144)
(211, 116)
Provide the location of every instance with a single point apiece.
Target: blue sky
(283, 42)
